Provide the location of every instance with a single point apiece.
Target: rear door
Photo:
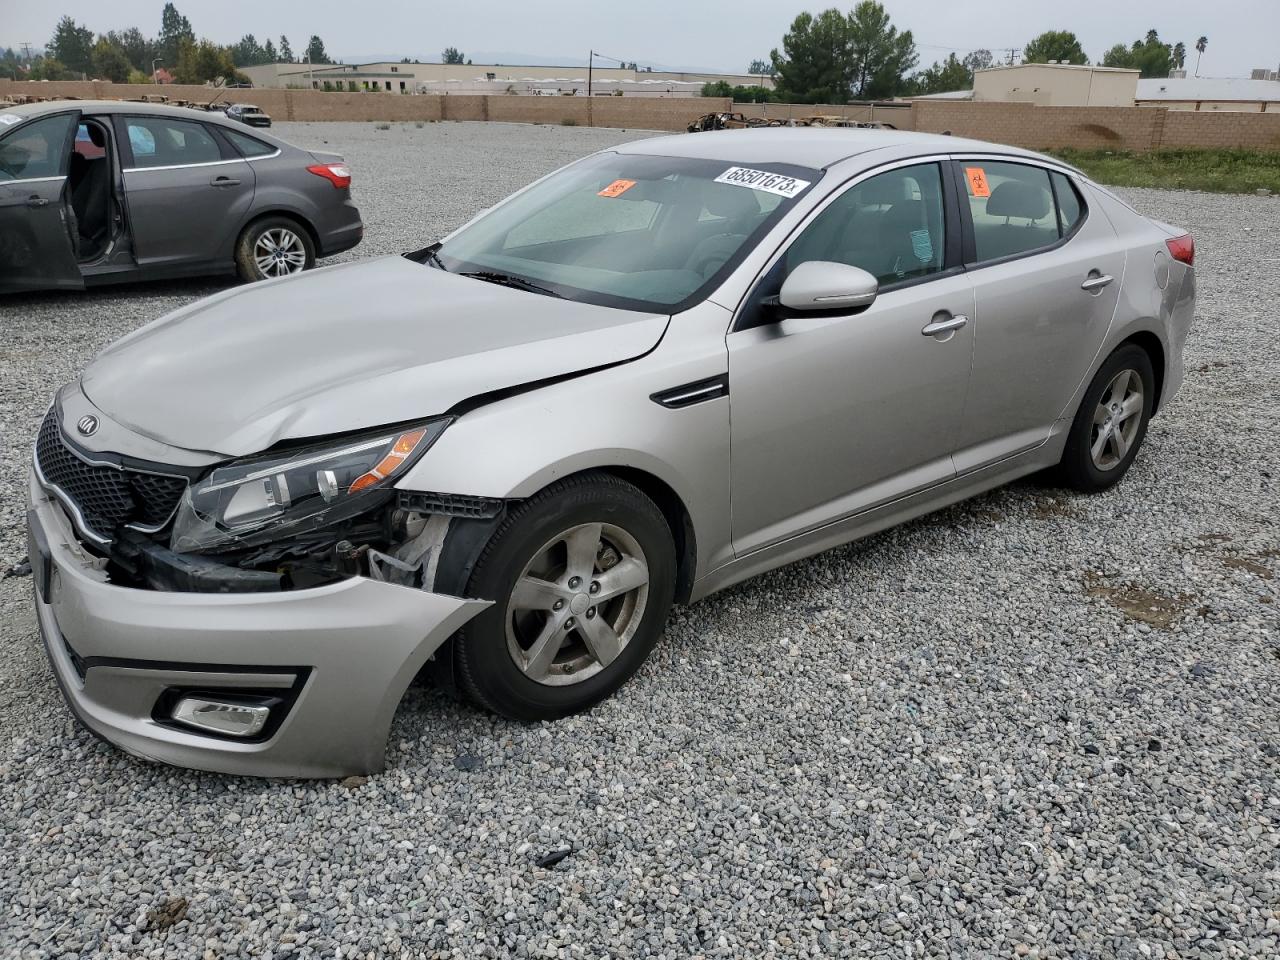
(36, 230)
(1046, 275)
(186, 189)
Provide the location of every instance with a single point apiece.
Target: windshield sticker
(922, 245)
(977, 178)
(617, 188)
(8, 119)
(777, 183)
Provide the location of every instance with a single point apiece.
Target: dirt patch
(1251, 564)
(167, 914)
(1139, 603)
(1047, 507)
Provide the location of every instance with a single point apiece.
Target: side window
(1012, 207)
(162, 142)
(248, 146)
(891, 225)
(1070, 207)
(37, 149)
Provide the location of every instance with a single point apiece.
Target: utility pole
(591, 62)
(26, 53)
(153, 68)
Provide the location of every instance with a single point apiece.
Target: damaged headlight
(251, 502)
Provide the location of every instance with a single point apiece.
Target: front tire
(1111, 423)
(583, 576)
(274, 247)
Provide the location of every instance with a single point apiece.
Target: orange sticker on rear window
(977, 178)
(616, 188)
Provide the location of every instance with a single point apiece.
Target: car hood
(346, 348)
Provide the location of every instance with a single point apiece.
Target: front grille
(107, 497)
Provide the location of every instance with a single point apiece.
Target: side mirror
(824, 285)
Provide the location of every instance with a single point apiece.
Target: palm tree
(1179, 55)
(1200, 45)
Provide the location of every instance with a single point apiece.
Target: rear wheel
(1111, 423)
(582, 575)
(274, 247)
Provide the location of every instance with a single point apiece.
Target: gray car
(500, 459)
(94, 193)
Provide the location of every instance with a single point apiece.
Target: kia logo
(88, 425)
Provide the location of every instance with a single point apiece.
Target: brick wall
(1021, 124)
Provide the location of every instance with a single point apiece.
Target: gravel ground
(1031, 725)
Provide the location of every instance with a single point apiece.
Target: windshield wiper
(509, 280)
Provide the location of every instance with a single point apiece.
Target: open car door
(37, 251)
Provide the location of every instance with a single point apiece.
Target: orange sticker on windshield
(617, 188)
(977, 178)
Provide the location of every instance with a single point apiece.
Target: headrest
(881, 191)
(1013, 198)
(96, 136)
(726, 200)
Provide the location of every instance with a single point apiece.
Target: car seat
(91, 196)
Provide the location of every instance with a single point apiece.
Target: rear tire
(1111, 423)
(583, 576)
(274, 247)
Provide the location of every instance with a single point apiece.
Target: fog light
(229, 719)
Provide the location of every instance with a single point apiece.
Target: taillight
(1183, 248)
(339, 174)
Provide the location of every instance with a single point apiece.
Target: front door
(187, 192)
(36, 230)
(834, 414)
(1047, 275)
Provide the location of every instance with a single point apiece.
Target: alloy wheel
(1116, 420)
(279, 252)
(577, 604)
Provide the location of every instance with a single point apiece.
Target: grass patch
(1216, 171)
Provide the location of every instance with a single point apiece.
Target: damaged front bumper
(330, 663)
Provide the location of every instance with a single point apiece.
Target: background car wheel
(274, 247)
(583, 575)
(1111, 423)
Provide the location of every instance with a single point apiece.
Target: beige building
(1230, 94)
(484, 78)
(1057, 85)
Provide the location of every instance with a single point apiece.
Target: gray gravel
(1031, 725)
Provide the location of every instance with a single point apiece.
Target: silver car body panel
(829, 427)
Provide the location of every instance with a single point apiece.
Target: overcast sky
(707, 34)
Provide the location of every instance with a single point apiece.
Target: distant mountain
(513, 58)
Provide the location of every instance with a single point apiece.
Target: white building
(1234, 94)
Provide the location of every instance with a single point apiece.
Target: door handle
(37, 202)
(1096, 281)
(939, 328)
(224, 182)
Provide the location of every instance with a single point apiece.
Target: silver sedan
(500, 459)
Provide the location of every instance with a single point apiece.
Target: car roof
(136, 107)
(816, 147)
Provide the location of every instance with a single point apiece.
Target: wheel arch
(1154, 348)
(679, 522)
(290, 214)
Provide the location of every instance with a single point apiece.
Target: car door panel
(1037, 334)
(832, 416)
(36, 247)
(182, 214)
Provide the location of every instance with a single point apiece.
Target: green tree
(1150, 56)
(1201, 45)
(175, 32)
(949, 75)
(286, 51)
(814, 65)
(1061, 45)
(315, 51)
(882, 57)
(72, 46)
(739, 94)
(269, 52)
(136, 47)
(48, 68)
(1179, 55)
(110, 62)
(206, 62)
(979, 59)
(760, 68)
(451, 55)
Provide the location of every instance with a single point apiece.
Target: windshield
(638, 232)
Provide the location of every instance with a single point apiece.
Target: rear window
(248, 146)
(162, 142)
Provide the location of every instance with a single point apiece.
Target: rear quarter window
(248, 146)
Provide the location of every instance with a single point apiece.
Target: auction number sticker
(8, 119)
(778, 183)
(977, 178)
(617, 188)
